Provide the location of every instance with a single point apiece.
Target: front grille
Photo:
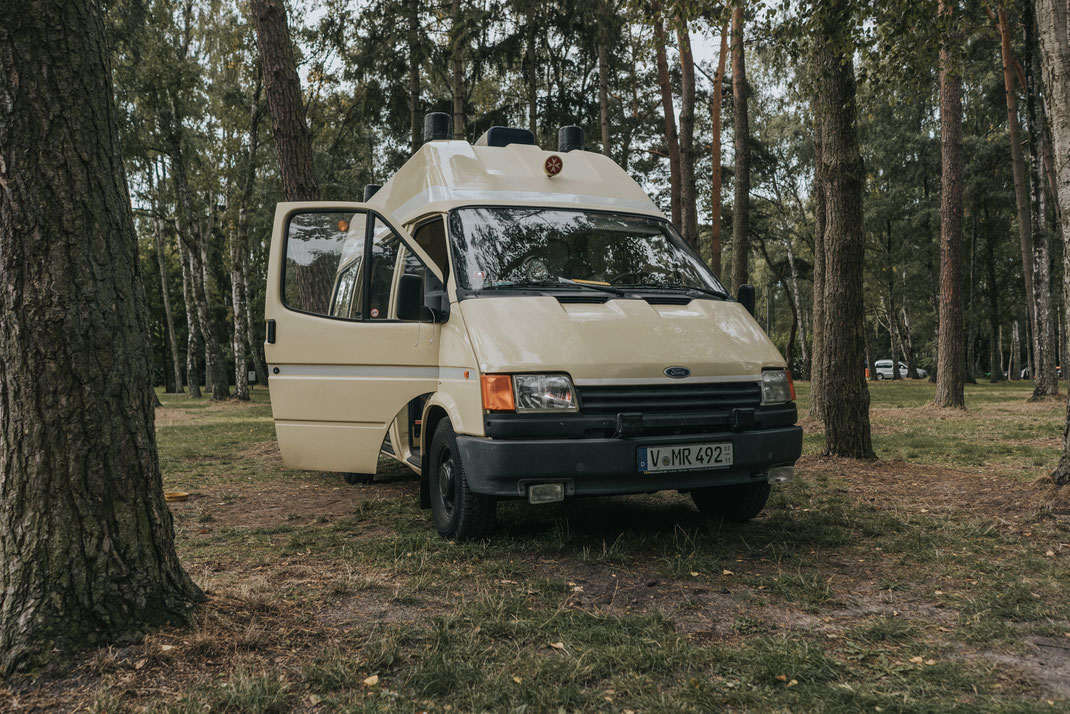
(670, 399)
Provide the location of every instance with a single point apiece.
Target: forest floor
(933, 579)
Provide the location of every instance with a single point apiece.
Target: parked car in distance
(884, 370)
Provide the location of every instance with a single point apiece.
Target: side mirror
(745, 296)
(410, 297)
(436, 299)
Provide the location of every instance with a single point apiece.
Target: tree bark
(817, 353)
(1021, 181)
(1053, 32)
(950, 370)
(846, 400)
(457, 69)
(741, 206)
(86, 540)
(796, 298)
(671, 138)
(1045, 381)
(688, 196)
(715, 189)
(283, 89)
(1014, 360)
(193, 342)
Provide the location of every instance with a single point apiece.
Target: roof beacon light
(438, 126)
(570, 138)
(504, 136)
(370, 189)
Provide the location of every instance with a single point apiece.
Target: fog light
(780, 474)
(546, 492)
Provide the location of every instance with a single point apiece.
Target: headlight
(544, 392)
(777, 387)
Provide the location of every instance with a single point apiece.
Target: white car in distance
(884, 370)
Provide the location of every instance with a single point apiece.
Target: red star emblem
(553, 165)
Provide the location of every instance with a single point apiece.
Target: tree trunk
(1052, 32)
(603, 72)
(907, 340)
(239, 252)
(950, 370)
(1045, 381)
(715, 189)
(529, 70)
(741, 206)
(846, 400)
(688, 197)
(671, 138)
(817, 353)
(158, 240)
(971, 305)
(189, 234)
(86, 540)
(1014, 360)
(193, 343)
(798, 309)
(415, 138)
(283, 89)
(1021, 182)
(457, 69)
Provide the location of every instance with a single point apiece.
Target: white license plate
(684, 457)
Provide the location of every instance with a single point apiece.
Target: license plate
(685, 457)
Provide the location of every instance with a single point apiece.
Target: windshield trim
(632, 292)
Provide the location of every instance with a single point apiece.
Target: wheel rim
(446, 477)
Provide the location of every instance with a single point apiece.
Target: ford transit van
(514, 323)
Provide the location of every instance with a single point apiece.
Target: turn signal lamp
(497, 392)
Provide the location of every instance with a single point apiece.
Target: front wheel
(458, 512)
(880, 377)
(736, 504)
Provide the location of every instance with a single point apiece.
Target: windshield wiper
(594, 286)
(680, 288)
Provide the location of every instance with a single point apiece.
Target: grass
(934, 579)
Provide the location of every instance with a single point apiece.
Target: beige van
(511, 322)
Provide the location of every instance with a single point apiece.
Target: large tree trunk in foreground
(715, 149)
(1021, 181)
(672, 140)
(951, 365)
(846, 396)
(1045, 381)
(688, 196)
(741, 206)
(283, 89)
(86, 540)
(1053, 31)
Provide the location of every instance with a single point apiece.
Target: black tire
(735, 504)
(458, 512)
(880, 377)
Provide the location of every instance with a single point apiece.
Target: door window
(321, 273)
(385, 245)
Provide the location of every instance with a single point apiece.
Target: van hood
(625, 339)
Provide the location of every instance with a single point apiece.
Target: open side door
(347, 346)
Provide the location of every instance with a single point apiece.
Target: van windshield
(503, 247)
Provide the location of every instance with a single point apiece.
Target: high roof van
(514, 323)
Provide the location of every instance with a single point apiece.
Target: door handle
(271, 332)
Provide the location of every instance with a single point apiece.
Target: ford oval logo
(677, 372)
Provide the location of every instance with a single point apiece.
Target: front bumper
(604, 466)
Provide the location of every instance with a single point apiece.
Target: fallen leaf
(694, 574)
(558, 645)
(314, 699)
(1050, 553)
(792, 683)
(930, 662)
(166, 648)
(938, 592)
(727, 572)
(782, 678)
(372, 680)
(518, 680)
(917, 660)
(140, 663)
